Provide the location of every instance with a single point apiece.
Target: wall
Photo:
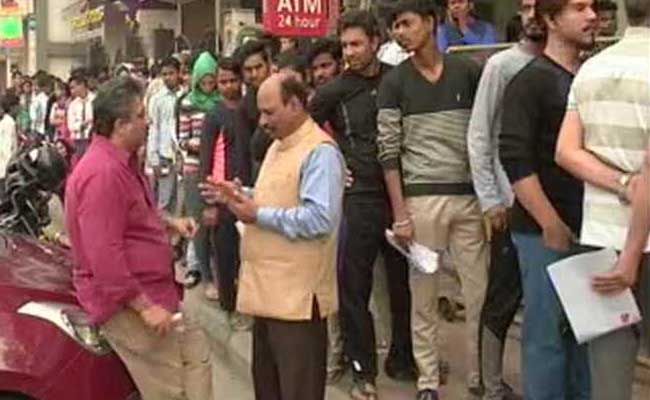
(197, 18)
(61, 66)
(150, 20)
(58, 31)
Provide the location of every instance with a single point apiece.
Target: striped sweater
(423, 126)
(612, 97)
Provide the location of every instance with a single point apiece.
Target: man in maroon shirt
(123, 259)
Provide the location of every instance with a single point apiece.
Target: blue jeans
(555, 367)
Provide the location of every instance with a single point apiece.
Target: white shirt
(37, 111)
(8, 142)
(80, 117)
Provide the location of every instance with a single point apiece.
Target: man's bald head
(287, 87)
(270, 87)
(282, 101)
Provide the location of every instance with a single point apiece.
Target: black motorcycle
(34, 174)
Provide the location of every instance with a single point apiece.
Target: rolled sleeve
(572, 101)
(321, 196)
(518, 131)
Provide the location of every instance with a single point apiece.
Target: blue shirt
(479, 32)
(322, 184)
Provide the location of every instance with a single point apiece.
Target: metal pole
(217, 25)
(8, 67)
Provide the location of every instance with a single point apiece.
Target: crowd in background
(420, 140)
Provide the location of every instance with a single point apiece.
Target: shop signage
(89, 23)
(297, 17)
(11, 25)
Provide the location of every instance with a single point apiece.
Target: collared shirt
(612, 95)
(490, 180)
(321, 190)
(80, 117)
(479, 32)
(162, 127)
(8, 142)
(120, 248)
(37, 113)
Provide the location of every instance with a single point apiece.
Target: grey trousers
(612, 360)
(612, 357)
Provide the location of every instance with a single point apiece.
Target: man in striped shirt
(603, 141)
(424, 110)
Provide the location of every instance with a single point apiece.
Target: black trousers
(225, 242)
(366, 220)
(289, 358)
(504, 290)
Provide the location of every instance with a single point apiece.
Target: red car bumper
(38, 360)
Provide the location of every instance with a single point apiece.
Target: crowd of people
(283, 166)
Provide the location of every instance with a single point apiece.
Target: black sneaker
(427, 394)
(476, 390)
(363, 390)
(510, 393)
(192, 278)
(401, 368)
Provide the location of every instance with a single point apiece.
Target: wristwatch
(624, 183)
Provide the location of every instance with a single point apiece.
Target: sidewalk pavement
(234, 350)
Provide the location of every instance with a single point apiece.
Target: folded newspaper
(419, 256)
(591, 314)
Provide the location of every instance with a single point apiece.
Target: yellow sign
(89, 20)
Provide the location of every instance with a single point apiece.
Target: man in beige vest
(288, 275)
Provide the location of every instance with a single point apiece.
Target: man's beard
(536, 37)
(534, 33)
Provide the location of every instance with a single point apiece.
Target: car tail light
(71, 320)
(90, 336)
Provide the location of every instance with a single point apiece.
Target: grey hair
(115, 101)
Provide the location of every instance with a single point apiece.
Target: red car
(47, 349)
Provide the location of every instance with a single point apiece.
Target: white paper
(420, 257)
(241, 227)
(591, 314)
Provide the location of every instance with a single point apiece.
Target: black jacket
(349, 105)
(257, 142)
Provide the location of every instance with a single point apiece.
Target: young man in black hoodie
(223, 157)
(255, 62)
(348, 104)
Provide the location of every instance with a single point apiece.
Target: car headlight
(72, 321)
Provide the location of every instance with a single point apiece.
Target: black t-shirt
(533, 110)
(349, 105)
(254, 140)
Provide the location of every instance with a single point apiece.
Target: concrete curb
(236, 347)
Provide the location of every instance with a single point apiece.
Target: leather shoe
(427, 394)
